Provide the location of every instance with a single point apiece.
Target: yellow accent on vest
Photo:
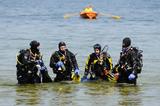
(110, 61)
(86, 66)
(18, 60)
(95, 61)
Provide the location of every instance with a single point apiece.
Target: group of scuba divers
(31, 68)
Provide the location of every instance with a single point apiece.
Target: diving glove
(77, 71)
(131, 76)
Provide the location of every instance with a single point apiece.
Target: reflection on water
(24, 20)
(67, 94)
(129, 95)
(100, 88)
(54, 93)
(63, 93)
(27, 95)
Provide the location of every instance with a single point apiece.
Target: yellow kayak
(89, 15)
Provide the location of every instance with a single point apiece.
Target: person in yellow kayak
(88, 9)
(63, 62)
(98, 64)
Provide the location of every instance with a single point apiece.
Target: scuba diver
(98, 64)
(30, 66)
(129, 64)
(63, 62)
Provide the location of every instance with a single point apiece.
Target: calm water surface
(24, 20)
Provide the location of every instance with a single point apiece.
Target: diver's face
(97, 51)
(38, 48)
(63, 48)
